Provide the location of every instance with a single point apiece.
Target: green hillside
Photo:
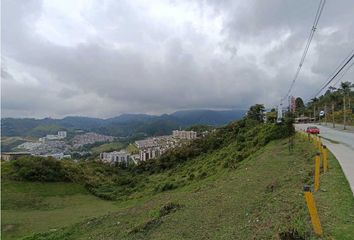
(260, 199)
(29, 207)
(108, 147)
(9, 143)
(241, 182)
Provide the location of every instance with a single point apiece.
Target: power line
(345, 71)
(338, 70)
(334, 72)
(302, 60)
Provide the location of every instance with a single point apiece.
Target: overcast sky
(104, 58)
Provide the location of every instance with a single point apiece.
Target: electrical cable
(302, 60)
(341, 67)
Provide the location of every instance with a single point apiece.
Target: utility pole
(280, 113)
(319, 116)
(344, 113)
(350, 108)
(325, 112)
(334, 125)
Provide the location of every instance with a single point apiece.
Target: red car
(313, 130)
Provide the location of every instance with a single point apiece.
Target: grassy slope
(108, 147)
(132, 149)
(9, 143)
(259, 199)
(32, 207)
(336, 203)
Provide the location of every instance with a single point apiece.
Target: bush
(191, 176)
(203, 175)
(38, 169)
(165, 187)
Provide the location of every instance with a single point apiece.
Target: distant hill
(124, 125)
(208, 117)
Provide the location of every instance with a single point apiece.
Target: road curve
(341, 144)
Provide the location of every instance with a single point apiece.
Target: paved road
(338, 126)
(342, 146)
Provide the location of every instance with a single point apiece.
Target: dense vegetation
(37, 169)
(248, 134)
(334, 102)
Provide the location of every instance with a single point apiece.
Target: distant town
(60, 147)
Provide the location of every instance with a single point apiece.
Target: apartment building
(184, 134)
(116, 157)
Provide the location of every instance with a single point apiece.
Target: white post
(280, 113)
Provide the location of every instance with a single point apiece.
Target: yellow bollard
(325, 158)
(316, 224)
(314, 139)
(317, 141)
(317, 172)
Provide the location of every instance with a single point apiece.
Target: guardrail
(322, 154)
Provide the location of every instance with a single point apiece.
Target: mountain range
(125, 125)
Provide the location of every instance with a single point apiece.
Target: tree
(271, 116)
(333, 99)
(256, 112)
(323, 102)
(299, 105)
(345, 89)
(314, 102)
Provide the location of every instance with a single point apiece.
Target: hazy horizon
(122, 114)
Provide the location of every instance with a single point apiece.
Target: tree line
(336, 104)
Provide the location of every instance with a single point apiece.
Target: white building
(184, 134)
(154, 147)
(150, 153)
(52, 137)
(62, 134)
(115, 157)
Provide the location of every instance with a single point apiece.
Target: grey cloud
(135, 64)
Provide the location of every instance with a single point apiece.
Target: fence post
(317, 171)
(316, 224)
(319, 143)
(325, 158)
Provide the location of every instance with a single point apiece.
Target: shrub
(191, 176)
(38, 169)
(203, 175)
(165, 187)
